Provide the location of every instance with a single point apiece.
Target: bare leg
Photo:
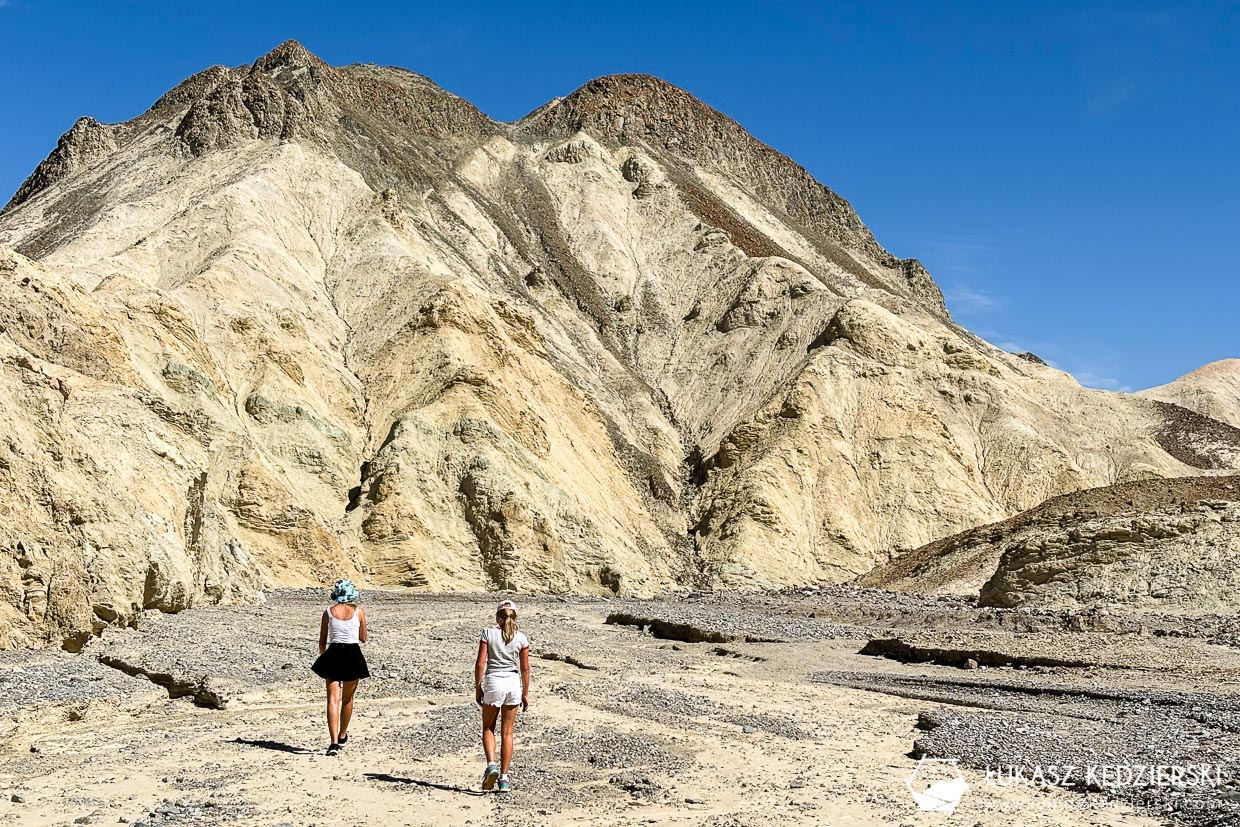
(489, 715)
(333, 710)
(510, 719)
(346, 707)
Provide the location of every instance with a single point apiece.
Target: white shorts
(503, 689)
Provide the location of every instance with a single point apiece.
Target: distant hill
(1212, 390)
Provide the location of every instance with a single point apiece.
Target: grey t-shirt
(503, 657)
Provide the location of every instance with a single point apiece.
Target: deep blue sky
(1067, 171)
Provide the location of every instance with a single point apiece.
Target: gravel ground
(829, 612)
(570, 767)
(780, 725)
(1014, 726)
(647, 715)
(31, 679)
(192, 811)
(667, 706)
(445, 730)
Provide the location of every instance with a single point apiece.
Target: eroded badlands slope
(300, 321)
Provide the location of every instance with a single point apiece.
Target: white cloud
(959, 254)
(967, 300)
(1092, 379)
(1059, 358)
(1017, 344)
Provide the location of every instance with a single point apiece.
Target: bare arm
(361, 630)
(525, 678)
(480, 667)
(323, 634)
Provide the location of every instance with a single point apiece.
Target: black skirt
(342, 662)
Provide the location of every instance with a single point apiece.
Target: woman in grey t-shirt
(501, 684)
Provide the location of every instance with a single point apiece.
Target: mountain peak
(635, 83)
(638, 109)
(290, 54)
(624, 107)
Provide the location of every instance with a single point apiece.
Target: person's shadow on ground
(278, 746)
(396, 779)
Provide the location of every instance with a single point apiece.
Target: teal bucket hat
(344, 592)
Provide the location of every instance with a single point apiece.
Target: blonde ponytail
(508, 624)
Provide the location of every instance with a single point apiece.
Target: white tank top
(343, 631)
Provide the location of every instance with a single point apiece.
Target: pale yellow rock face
(1213, 390)
(895, 435)
(299, 322)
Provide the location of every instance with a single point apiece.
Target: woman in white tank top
(341, 663)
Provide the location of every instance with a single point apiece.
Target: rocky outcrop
(1166, 545)
(86, 143)
(930, 650)
(891, 430)
(202, 690)
(297, 321)
(1181, 560)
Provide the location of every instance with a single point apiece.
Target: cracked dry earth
(661, 712)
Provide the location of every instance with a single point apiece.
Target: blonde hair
(507, 620)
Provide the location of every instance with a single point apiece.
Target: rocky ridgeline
(632, 110)
(85, 144)
(299, 321)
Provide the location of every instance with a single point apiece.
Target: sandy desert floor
(699, 711)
